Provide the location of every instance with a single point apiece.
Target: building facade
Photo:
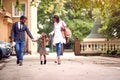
(10, 14)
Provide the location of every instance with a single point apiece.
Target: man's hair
(23, 17)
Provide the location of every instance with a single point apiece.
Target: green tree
(107, 10)
(46, 10)
(80, 23)
(113, 21)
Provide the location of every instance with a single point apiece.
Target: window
(18, 13)
(0, 3)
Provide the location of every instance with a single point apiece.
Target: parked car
(5, 49)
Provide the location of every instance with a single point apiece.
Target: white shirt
(58, 37)
(19, 25)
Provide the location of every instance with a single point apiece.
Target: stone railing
(97, 47)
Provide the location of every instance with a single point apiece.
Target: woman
(58, 39)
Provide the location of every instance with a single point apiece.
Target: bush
(118, 52)
(112, 52)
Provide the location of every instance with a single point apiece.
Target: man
(18, 38)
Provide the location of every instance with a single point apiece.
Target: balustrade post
(77, 47)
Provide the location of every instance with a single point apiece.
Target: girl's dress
(41, 46)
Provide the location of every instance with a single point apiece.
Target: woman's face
(55, 19)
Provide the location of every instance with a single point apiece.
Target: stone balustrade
(98, 47)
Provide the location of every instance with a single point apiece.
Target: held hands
(49, 34)
(33, 40)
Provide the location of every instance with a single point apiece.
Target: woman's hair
(57, 18)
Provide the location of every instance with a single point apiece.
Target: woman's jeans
(58, 49)
(19, 48)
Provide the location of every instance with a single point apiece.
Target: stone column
(32, 24)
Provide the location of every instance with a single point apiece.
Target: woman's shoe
(55, 61)
(59, 63)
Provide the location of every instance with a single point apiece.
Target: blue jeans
(58, 49)
(19, 48)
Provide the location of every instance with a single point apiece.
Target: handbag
(66, 32)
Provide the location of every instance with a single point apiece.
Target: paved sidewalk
(2, 65)
(72, 68)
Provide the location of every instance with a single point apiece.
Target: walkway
(72, 68)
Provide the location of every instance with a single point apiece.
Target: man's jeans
(58, 49)
(19, 48)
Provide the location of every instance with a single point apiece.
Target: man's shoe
(20, 64)
(17, 61)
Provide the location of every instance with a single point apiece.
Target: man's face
(22, 21)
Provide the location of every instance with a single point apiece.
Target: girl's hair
(44, 38)
(44, 34)
(57, 18)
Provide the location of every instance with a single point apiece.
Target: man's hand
(13, 43)
(33, 40)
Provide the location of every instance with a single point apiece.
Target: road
(72, 68)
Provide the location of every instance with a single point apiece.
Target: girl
(42, 41)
